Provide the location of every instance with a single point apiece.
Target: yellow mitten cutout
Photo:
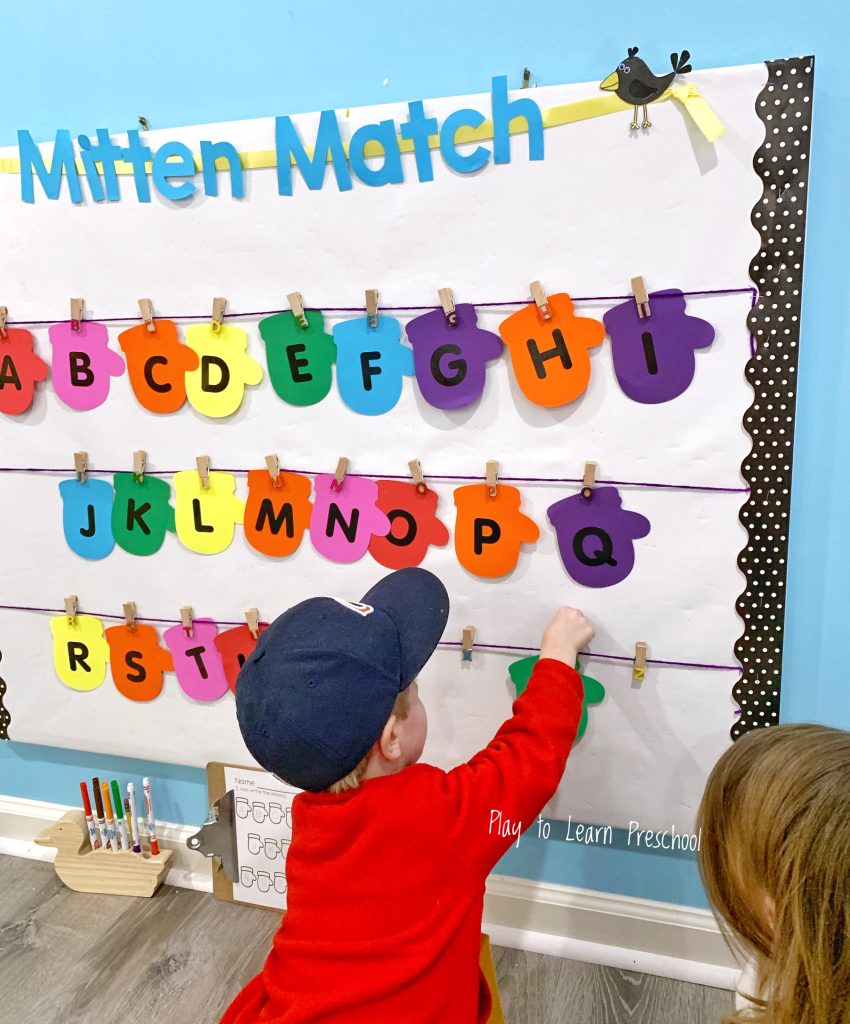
(80, 651)
(205, 516)
(217, 387)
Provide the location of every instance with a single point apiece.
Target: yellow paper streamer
(689, 96)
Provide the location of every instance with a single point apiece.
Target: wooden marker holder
(85, 870)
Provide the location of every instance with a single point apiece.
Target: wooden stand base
(86, 870)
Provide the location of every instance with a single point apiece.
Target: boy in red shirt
(388, 858)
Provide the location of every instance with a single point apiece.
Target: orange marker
(110, 821)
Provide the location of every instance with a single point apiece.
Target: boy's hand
(567, 634)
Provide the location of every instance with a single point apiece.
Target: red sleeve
(506, 785)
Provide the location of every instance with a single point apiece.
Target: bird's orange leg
(634, 124)
(646, 122)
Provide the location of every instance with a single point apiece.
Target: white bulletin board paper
(603, 206)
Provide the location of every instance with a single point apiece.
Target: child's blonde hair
(775, 820)
(355, 776)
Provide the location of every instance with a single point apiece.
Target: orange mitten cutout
(157, 363)
(276, 517)
(550, 358)
(490, 531)
(137, 661)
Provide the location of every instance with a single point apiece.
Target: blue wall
(218, 61)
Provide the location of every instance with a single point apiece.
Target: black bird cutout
(634, 83)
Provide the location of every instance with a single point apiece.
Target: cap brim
(418, 604)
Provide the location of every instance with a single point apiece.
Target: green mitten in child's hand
(594, 692)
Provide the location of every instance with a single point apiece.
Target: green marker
(120, 823)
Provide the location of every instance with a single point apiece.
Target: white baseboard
(617, 931)
(540, 917)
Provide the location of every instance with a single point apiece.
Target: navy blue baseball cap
(320, 685)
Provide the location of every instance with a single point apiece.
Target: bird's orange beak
(611, 82)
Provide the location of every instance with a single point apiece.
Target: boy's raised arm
(496, 795)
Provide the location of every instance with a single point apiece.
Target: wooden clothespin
(203, 464)
(146, 309)
(186, 617)
(447, 301)
(273, 466)
(71, 608)
(639, 670)
(492, 477)
(467, 643)
(415, 467)
(540, 297)
(81, 464)
(219, 306)
(296, 304)
(252, 617)
(641, 298)
(372, 306)
(130, 615)
(76, 313)
(4, 313)
(589, 480)
(339, 475)
(140, 464)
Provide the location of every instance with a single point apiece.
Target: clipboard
(225, 831)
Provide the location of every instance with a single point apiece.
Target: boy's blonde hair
(775, 820)
(355, 776)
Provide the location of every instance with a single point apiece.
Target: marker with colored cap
(146, 786)
(120, 824)
(101, 821)
(134, 815)
(129, 821)
(89, 819)
(110, 821)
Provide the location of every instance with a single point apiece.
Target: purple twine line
(403, 476)
(442, 643)
(593, 654)
(754, 299)
(362, 309)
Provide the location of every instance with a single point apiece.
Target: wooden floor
(71, 958)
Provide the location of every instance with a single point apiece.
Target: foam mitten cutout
(141, 513)
(344, 521)
(20, 370)
(594, 692)
(414, 525)
(235, 646)
(87, 517)
(157, 363)
(451, 362)
(217, 387)
(300, 359)
(197, 663)
(371, 364)
(490, 530)
(276, 517)
(206, 517)
(83, 364)
(654, 357)
(137, 661)
(80, 652)
(551, 358)
(596, 536)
